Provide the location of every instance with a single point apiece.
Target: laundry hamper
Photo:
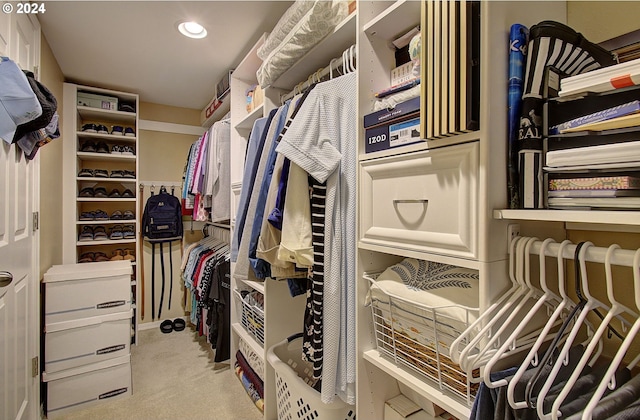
(295, 398)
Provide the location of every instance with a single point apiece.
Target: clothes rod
(161, 183)
(333, 65)
(596, 254)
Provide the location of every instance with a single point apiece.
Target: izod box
(399, 126)
(76, 291)
(97, 101)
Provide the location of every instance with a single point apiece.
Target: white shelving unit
(458, 198)
(75, 116)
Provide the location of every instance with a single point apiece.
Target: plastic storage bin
(295, 398)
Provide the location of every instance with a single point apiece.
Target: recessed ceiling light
(192, 30)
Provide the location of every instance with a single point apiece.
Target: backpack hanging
(162, 223)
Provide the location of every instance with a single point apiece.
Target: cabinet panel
(424, 201)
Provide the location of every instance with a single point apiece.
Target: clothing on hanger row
(564, 373)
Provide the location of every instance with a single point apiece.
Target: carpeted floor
(174, 377)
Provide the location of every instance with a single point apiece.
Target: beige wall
(602, 20)
(51, 170)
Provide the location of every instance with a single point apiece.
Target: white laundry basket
(295, 398)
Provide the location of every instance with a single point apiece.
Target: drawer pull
(422, 201)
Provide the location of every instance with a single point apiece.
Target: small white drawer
(80, 342)
(425, 201)
(75, 389)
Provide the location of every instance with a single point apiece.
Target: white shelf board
(401, 15)
(330, 47)
(255, 346)
(613, 217)
(247, 122)
(105, 115)
(108, 137)
(106, 242)
(246, 70)
(116, 180)
(255, 285)
(107, 222)
(127, 96)
(111, 200)
(100, 157)
(442, 399)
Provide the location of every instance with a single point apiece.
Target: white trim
(166, 127)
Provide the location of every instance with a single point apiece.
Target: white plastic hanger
(532, 357)
(608, 381)
(510, 343)
(516, 319)
(482, 326)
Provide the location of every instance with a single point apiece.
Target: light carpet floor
(174, 377)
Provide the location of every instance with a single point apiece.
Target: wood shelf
(107, 137)
(612, 217)
(101, 157)
(403, 13)
(247, 122)
(105, 115)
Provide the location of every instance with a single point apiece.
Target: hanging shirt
(322, 140)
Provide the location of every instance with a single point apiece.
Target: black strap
(163, 280)
(171, 276)
(153, 281)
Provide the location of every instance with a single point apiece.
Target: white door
(19, 335)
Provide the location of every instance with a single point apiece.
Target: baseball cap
(48, 104)
(18, 102)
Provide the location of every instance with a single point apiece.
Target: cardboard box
(77, 291)
(97, 101)
(90, 340)
(400, 408)
(395, 127)
(75, 389)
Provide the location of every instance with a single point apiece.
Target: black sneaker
(116, 150)
(117, 130)
(129, 132)
(102, 147)
(89, 128)
(102, 129)
(88, 146)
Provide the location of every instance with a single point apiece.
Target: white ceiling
(134, 46)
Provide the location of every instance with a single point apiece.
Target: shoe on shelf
(88, 146)
(126, 107)
(127, 194)
(117, 255)
(129, 254)
(117, 130)
(115, 193)
(101, 215)
(116, 233)
(129, 132)
(127, 150)
(100, 192)
(117, 173)
(101, 173)
(128, 215)
(99, 233)
(102, 129)
(129, 174)
(89, 128)
(102, 147)
(116, 150)
(87, 257)
(86, 216)
(129, 232)
(88, 173)
(100, 256)
(86, 234)
(87, 192)
(116, 215)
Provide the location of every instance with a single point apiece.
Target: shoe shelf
(88, 113)
(112, 157)
(109, 179)
(107, 222)
(112, 200)
(106, 137)
(106, 242)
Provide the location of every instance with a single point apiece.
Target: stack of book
(602, 192)
(592, 156)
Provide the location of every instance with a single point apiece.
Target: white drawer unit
(77, 291)
(80, 342)
(77, 388)
(424, 201)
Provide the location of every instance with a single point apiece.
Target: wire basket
(418, 337)
(251, 313)
(295, 398)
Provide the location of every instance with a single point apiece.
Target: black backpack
(162, 218)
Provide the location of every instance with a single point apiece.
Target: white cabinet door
(18, 245)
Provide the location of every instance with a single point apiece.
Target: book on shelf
(593, 193)
(614, 153)
(398, 88)
(601, 203)
(582, 123)
(602, 80)
(595, 183)
(632, 120)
